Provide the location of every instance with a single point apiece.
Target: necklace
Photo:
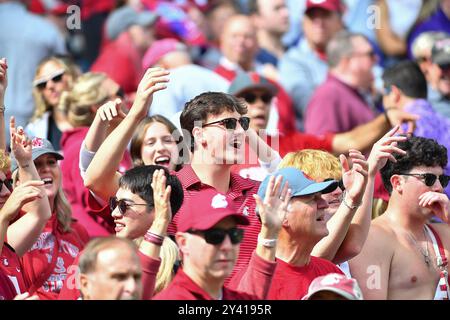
(425, 253)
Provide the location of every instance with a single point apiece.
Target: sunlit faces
(320, 26)
(49, 171)
(334, 200)
(137, 218)
(306, 216)
(238, 41)
(210, 261)
(159, 147)
(142, 37)
(274, 16)
(443, 74)
(4, 191)
(258, 103)
(412, 187)
(56, 82)
(223, 146)
(117, 276)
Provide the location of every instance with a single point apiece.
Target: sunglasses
(250, 97)
(430, 178)
(122, 204)
(340, 183)
(120, 93)
(7, 183)
(231, 123)
(216, 236)
(42, 84)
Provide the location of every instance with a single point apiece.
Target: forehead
(45, 157)
(223, 115)
(156, 129)
(124, 193)
(49, 67)
(117, 258)
(360, 44)
(424, 169)
(240, 26)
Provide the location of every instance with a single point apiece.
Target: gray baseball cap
(440, 54)
(119, 20)
(39, 147)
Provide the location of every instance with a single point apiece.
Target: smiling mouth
(163, 161)
(47, 181)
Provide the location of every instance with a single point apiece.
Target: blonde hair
(71, 70)
(61, 206)
(169, 254)
(317, 164)
(5, 161)
(86, 92)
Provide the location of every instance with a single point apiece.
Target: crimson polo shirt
(240, 192)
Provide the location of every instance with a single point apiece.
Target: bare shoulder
(381, 231)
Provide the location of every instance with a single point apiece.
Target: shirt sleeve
(150, 269)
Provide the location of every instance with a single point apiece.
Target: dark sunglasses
(120, 93)
(122, 204)
(7, 183)
(430, 178)
(41, 85)
(216, 236)
(340, 183)
(231, 123)
(251, 97)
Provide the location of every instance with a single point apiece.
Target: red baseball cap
(208, 208)
(159, 49)
(329, 5)
(335, 282)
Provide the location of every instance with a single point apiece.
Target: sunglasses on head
(7, 183)
(430, 178)
(340, 183)
(231, 123)
(216, 236)
(42, 84)
(250, 97)
(122, 204)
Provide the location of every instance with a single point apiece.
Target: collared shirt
(254, 284)
(241, 192)
(336, 107)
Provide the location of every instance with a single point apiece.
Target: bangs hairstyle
(139, 179)
(70, 69)
(209, 103)
(139, 135)
(317, 164)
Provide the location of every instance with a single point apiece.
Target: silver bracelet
(347, 205)
(269, 243)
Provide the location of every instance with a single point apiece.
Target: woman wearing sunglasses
(88, 107)
(53, 76)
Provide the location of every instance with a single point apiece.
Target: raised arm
(3, 85)
(106, 161)
(355, 181)
(29, 196)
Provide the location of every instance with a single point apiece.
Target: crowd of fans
(224, 149)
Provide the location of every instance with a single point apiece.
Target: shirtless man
(400, 259)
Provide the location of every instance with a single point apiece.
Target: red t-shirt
(12, 268)
(292, 283)
(7, 291)
(37, 261)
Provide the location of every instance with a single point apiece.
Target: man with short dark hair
(405, 256)
(406, 89)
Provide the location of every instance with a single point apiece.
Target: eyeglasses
(122, 204)
(56, 77)
(216, 236)
(340, 183)
(430, 178)
(231, 123)
(251, 97)
(371, 54)
(7, 183)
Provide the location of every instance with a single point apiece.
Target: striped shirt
(241, 192)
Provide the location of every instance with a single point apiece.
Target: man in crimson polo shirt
(209, 233)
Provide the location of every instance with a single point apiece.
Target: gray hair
(425, 42)
(341, 46)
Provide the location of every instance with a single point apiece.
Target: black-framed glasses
(216, 236)
(340, 183)
(430, 178)
(7, 183)
(231, 123)
(122, 204)
(42, 84)
(251, 97)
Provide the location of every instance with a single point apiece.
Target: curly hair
(420, 151)
(5, 161)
